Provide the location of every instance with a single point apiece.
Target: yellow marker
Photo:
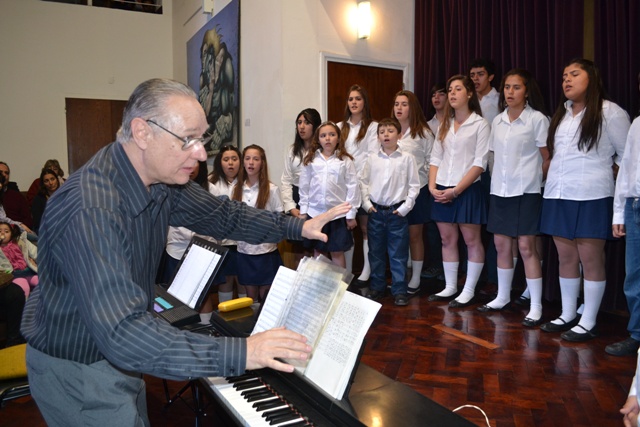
(235, 304)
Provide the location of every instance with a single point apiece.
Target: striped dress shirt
(102, 237)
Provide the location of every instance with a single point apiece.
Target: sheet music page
(317, 287)
(193, 275)
(336, 353)
(276, 300)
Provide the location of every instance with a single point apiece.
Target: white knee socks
(505, 277)
(348, 258)
(474, 269)
(450, 279)
(569, 290)
(366, 269)
(593, 292)
(416, 269)
(225, 296)
(535, 287)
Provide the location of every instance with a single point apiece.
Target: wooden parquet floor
(520, 377)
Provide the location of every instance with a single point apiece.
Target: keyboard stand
(197, 406)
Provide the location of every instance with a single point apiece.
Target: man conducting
(88, 324)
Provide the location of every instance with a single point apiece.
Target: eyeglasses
(187, 143)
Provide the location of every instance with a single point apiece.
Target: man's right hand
(263, 348)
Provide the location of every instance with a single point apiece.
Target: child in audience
(257, 264)
(359, 135)
(327, 179)
(458, 159)
(226, 167)
(518, 140)
(390, 186)
(416, 139)
(18, 256)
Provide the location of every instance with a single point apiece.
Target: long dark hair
(534, 96)
(417, 121)
(474, 104)
(366, 115)
(313, 117)
(263, 179)
(201, 177)
(218, 172)
(591, 123)
(43, 189)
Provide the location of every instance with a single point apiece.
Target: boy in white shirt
(390, 185)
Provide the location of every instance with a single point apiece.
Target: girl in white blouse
(458, 158)
(257, 264)
(519, 142)
(327, 179)
(307, 122)
(586, 136)
(358, 134)
(416, 138)
(226, 167)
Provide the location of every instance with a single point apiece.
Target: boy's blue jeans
(388, 233)
(632, 265)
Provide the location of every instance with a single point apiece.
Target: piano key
(258, 397)
(256, 390)
(268, 404)
(286, 417)
(248, 385)
(276, 412)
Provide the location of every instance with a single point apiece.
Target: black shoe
(374, 295)
(579, 336)
(523, 301)
(458, 304)
(627, 347)
(485, 308)
(401, 299)
(431, 272)
(565, 326)
(530, 323)
(360, 283)
(413, 291)
(435, 297)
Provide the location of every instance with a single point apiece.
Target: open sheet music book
(313, 301)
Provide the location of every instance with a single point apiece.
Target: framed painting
(213, 72)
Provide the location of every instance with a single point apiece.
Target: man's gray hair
(148, 102)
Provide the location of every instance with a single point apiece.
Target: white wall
(281, 46)
(50, 51)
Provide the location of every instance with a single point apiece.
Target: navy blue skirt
(421, 212)
(258, 270)
(469, 208)
(340, 238)
(229, 266)
(514, 216)
(572, 219)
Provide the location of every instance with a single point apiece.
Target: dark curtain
(617, 50)
(539, 36)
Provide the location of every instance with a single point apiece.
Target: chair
(13, 374)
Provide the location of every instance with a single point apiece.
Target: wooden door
(381, 83)
(91, 124)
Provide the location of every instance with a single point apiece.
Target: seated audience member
(14, 203)
(12, 301)
(48, 185)
(18, 256)
(52, 164)
(3, 214)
